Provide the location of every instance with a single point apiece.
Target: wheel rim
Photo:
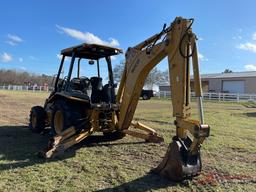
(58, 122)
(33, 120)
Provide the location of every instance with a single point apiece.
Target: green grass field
(96, 164)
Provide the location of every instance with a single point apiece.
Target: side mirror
(91, 62)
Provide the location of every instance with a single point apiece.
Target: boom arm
(179, 45)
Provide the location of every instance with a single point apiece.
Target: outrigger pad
(53, 149)
(177, 164)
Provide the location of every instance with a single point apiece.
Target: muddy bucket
(177, 164)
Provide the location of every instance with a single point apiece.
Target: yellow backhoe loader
(79, 106)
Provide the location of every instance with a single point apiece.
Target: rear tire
(60, 117)
(37, 119)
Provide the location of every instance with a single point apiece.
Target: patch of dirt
(3, 96)
(214, 178)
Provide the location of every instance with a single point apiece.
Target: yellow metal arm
(178, 43)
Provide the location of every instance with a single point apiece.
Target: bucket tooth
(177, 164)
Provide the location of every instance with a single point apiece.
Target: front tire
(37, 119)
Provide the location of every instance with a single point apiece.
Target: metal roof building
(235, 82)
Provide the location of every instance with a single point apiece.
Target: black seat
(85, 83)
(106, 94)
(75, 84)
(96, 83)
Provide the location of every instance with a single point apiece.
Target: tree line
(14, 77)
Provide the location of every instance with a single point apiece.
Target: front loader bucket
(177, 164)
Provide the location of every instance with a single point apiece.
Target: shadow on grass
(249, 104)
(251, 114)
(148, 182)
(19, 147)
(100, 140)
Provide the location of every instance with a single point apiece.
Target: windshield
(90, 70)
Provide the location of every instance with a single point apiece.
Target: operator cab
(83, 80)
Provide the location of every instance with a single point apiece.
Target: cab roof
(91, 51)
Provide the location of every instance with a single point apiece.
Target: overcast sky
(34, 32)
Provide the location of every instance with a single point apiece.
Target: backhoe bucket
(177, 164)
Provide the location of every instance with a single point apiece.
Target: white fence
(24, 88)
(235, 97)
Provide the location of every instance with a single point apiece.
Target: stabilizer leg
(58, 144)
(150, 135)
